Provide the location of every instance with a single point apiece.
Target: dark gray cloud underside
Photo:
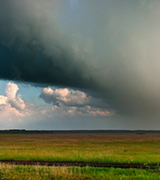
(33, 66)
(33, 47)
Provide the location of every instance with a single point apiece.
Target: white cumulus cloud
(74, 102)
(12, 107)
(15, 102)
(64, 97)
(11, 90)
(3, 100)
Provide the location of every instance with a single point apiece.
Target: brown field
(83, 137)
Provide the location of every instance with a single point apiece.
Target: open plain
(91, 148)
(98, 150)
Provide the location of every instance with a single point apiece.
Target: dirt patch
(83, 137)
(80, 164)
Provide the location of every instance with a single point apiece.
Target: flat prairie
(91, 148)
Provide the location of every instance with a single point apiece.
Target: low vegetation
(71, 173)
(130, 149)
(81, 148)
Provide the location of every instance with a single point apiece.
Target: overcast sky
(80, 64)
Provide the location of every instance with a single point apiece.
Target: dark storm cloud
(110, 47)
(33, 47)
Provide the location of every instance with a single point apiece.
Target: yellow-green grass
(81, 148)
(71, 173)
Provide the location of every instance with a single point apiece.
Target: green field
(79, 148)
(130, 149)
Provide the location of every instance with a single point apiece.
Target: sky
(79, 64)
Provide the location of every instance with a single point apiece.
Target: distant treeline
(23, 131)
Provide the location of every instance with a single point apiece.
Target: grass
(71, 173)
(79, 148)
(142, 149)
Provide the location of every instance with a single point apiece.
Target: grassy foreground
(82, 148)
(71, 173)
